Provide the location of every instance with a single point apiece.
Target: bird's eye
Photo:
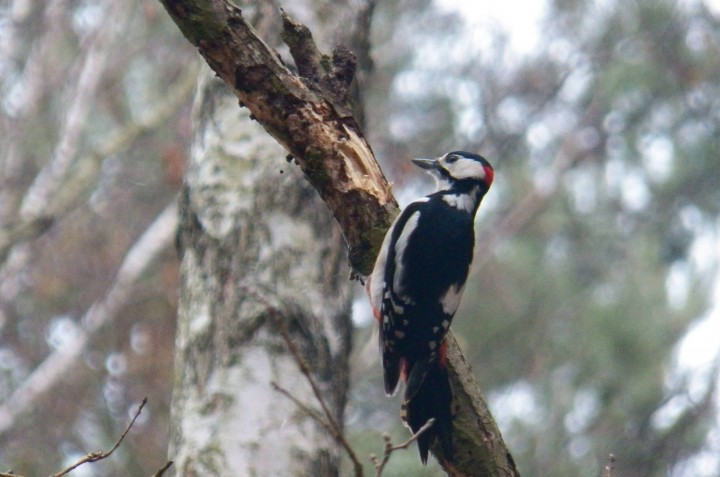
(451, 159)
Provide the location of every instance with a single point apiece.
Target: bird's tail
(428, 395)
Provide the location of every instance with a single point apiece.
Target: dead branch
(97, 455)
(390, 448)
(327, 420)
(162, 469)
(100, 455)
(308, 116)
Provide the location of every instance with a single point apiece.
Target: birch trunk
(259, 249)
(256, 243)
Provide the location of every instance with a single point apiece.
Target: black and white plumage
(417, 284)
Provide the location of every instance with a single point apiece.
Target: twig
(330, 424)
(162, 469)
(336, 431)
(390, 448)
(610, 467)
(100, 455)
(305, 408)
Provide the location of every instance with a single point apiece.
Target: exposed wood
(309, 115)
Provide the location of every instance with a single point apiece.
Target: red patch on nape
(442, 354)
(489, 175)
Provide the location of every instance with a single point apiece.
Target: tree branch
(308, 116)
(316, 127)
(329, 422)
(156, 239)
(390, 448)
(99, 455)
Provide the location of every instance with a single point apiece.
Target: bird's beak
(427, 164)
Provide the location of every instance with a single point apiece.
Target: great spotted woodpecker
(416, 285)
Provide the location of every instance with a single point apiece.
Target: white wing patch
(377, 278)
(400, 246)
(451, 299)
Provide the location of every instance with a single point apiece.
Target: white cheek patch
(465, 169)
(451, 300)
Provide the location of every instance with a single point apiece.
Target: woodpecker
(416, 286)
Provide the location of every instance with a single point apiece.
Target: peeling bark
(255, 240)
(310, 116)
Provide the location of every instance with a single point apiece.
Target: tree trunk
(263, 261)
(258, 249)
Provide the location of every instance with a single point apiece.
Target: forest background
(591, 315)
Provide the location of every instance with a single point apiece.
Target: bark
(257, 246)
(310, 116)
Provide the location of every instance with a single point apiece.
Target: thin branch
(97, 455)
(304, 368)
(47, 182)
(390, 448)
(100, 455)
(81, 178)
(156, 239)
(330, 423)
(307, 410)
(162, 469)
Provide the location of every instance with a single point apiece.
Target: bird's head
(458, 167)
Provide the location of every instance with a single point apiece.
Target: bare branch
(316, 128)
(100, 455)
(156, 239)
(95, 63)
(328, 422)
(390, 448)
(306, 409)
(162, 469)
(97, 455)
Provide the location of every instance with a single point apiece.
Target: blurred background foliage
(590, 318)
